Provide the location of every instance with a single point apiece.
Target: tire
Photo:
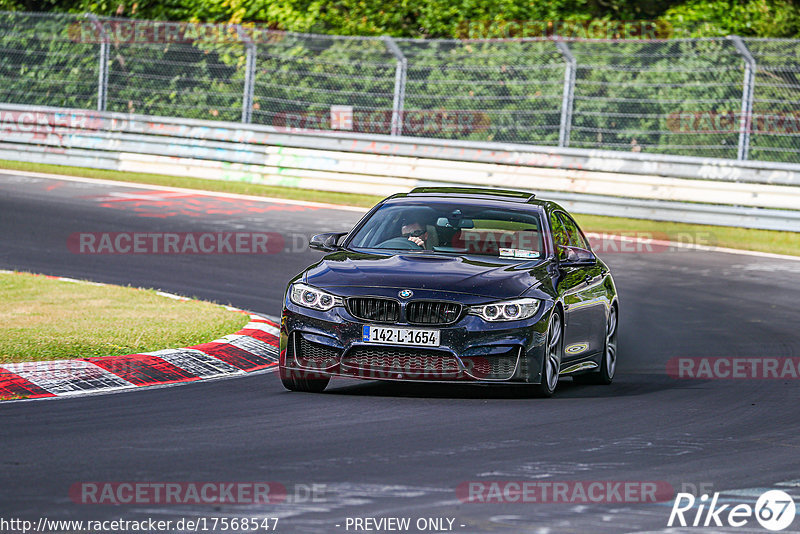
(305, 385)
(608, 364)
(551, 365)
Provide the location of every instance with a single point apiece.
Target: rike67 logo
(774, 510)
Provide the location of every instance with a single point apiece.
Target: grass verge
(46, 319)
(720, 236)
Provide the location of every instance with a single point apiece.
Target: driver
(415, 232)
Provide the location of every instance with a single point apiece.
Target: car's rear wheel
(608, 364)
(305, 384)
(552, 361)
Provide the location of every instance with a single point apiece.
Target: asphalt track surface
(395, 450)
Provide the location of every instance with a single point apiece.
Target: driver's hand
(418, 241)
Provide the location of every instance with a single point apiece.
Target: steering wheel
(399, 242)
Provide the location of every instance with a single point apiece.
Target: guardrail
(671, 188)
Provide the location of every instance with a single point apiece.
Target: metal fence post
(249, 74)
(568, 94)
(399, 85)
(748, 88)
(102, 75)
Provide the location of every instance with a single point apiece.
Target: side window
(575, 237)
(560, 235)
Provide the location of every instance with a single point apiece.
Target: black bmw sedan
(453, 284)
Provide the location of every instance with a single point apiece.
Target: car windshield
(453, 228)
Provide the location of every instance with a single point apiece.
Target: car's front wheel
(552, 361)
(292, 382)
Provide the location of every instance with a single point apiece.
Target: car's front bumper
(315, 343)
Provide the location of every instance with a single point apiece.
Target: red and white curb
(253, 348)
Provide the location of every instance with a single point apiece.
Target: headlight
(311, 297)
(507, 310)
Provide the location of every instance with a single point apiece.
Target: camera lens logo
(775, 510)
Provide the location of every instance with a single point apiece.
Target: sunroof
(477, 192)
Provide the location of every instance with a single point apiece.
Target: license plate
(400, 336)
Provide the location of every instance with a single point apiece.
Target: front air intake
(374, 309)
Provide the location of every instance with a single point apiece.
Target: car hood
(475, 275)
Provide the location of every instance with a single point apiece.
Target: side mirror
(569, 256)
(328, 242)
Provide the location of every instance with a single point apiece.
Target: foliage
(447, 18)
(674, 96)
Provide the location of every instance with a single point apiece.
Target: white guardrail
(650, 186)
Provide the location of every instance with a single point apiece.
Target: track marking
(184, 190)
